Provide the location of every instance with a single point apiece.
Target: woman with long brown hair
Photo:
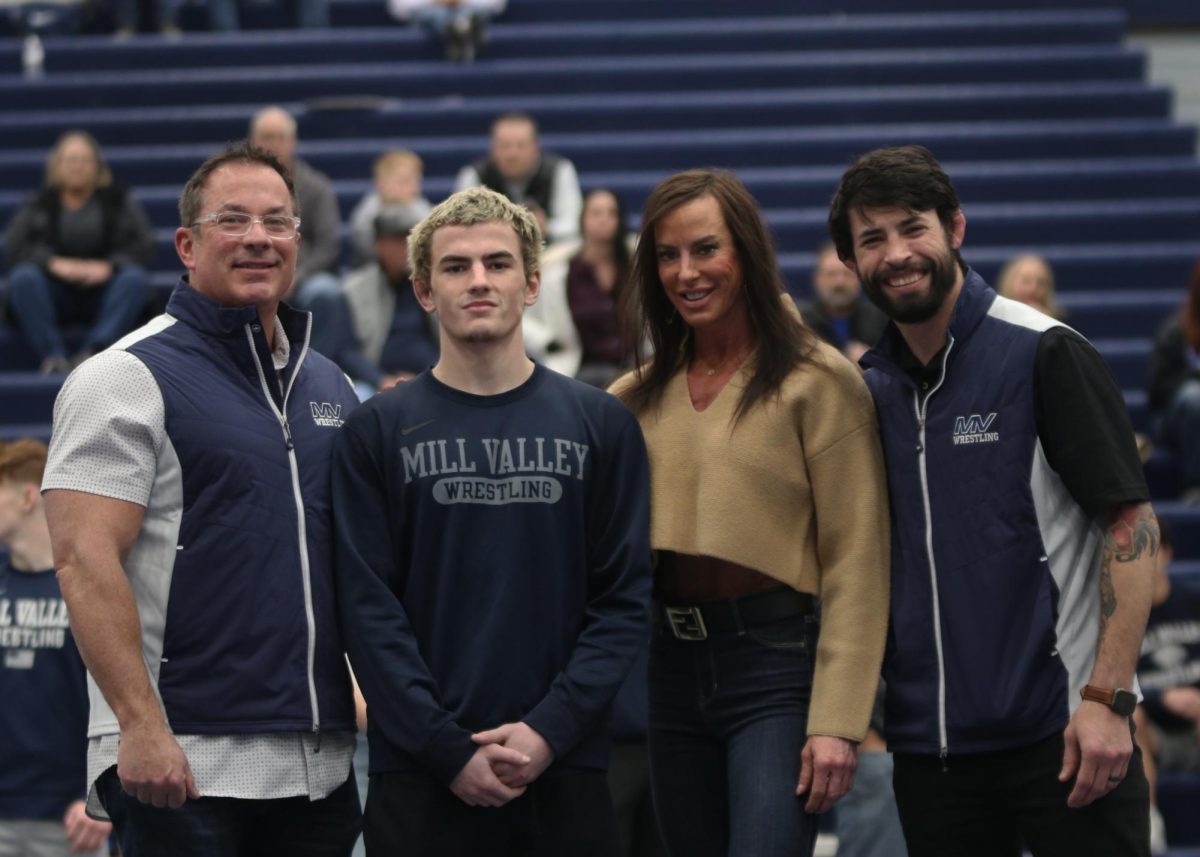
(767, 498)
(1174, 374)
(595, 278)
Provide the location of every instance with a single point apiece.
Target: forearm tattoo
(1131, 535)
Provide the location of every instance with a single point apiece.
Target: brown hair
(620, 239)
(241, 152)
(515, 116)
(782, 342)
(398, 159)
(908, 177)
(23, 461)
(1189, 315)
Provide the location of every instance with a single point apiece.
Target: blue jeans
(230, 827)
(727, 724)
(868, 824)
(41, 303)
(1181, 430)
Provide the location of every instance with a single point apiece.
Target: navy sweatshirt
(43, 699)
(493, 565)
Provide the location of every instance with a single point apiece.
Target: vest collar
(208, 316)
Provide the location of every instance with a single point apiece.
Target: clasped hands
(507, 760)
(81, 272)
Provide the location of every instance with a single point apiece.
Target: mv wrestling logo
(325, 414)
(974, 429)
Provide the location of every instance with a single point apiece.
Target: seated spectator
(460, 24)
(577, 307)
(127, 16)
(1168, 719)
(573, 327)
(222, 15)
(839, 314)
(43, 757)
(1174, 387)
(1028, 278)
(77, 253)
(550, 335)
(382, 335)
(517, 167)
(274, 129)
(398, 175)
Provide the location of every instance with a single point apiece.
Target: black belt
(697, 621)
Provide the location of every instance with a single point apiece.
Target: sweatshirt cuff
(554, 722)
(447, 752)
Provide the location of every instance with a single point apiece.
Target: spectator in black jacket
(1174, 380)
(77, 251)
(839, 314)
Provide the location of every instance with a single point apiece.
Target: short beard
(914, 309)
(839, 300)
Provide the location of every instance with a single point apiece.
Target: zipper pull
(318, 747)
(945, 765)
(287, 433)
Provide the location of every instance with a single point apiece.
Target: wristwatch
(1121, 701)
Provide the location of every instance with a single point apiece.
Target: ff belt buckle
(686, 623)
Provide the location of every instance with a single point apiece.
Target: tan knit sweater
(795, 490)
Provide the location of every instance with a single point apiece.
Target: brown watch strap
(1102, 695)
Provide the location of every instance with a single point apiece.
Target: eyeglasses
(235, 224)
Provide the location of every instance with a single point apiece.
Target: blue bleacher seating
(1044, 118)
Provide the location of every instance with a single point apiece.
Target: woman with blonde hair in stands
(767, 495)
(77, 251)
(1028, 279)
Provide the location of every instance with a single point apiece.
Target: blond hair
(396, 160)
(466, 208)
(103, 173)
(1008, 275)
(23, 461)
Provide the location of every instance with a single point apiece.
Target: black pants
(230, 827)
(986, 804)
(568, 813)
(629, 782)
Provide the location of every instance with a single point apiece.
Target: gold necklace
(713, 370)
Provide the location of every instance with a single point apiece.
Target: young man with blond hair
(492, 565)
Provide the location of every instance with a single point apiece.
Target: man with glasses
(187, 497)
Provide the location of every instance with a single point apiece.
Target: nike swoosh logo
(405, 431)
